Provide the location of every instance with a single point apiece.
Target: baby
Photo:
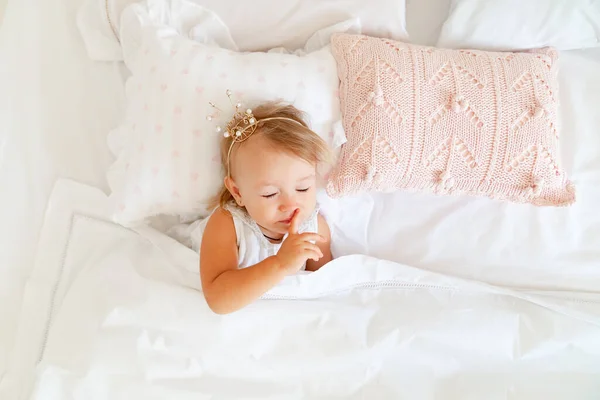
(266, 224)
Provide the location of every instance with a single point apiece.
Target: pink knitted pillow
(449, 122)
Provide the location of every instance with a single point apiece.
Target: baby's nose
(287, 203)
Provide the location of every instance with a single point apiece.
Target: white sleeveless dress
(253, 246)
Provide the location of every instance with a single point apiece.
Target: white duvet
(123, 318)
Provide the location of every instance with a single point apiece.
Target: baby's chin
(278, 228)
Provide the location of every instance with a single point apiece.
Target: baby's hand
(297, 248)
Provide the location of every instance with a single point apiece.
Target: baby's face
(272, 184)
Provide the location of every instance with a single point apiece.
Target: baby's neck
(273, 237)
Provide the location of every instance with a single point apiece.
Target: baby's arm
(325, 246)
(227, 288)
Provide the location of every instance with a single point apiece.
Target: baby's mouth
(290, 218)
(287, 221)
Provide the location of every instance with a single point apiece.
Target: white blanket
(115, 314)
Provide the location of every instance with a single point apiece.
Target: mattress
(465, 278)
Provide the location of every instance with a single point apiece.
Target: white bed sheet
(56, 107)
(424, 20)
(2, 7)
(254, 26)
(125, 320)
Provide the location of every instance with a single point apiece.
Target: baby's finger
(312, 237)
(314, 248)
(311, 254)
(295, 222)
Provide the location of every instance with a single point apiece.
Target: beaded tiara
(241, 126)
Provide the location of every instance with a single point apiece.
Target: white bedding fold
(126, 320)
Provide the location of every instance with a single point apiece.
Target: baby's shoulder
(220, 224)
(323, 227)
(221, 212)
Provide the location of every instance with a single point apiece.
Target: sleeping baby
(266, 223)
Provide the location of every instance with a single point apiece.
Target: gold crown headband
(241, 126)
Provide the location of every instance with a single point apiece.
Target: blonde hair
(288, 136)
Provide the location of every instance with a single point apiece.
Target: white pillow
(522, 24)
(167, 152)
(254, 25)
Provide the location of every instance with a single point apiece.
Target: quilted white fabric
(167, 151)
(518, 24)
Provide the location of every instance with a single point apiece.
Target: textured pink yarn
(449, 122)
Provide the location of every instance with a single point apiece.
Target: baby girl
(266, 224)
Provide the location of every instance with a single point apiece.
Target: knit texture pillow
(449, 122)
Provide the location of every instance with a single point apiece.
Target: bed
(463, 298)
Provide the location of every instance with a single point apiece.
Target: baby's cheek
(311, 201)
(272, 213)
(265, 211)
(254, 208)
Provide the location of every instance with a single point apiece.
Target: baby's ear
(234, 190)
